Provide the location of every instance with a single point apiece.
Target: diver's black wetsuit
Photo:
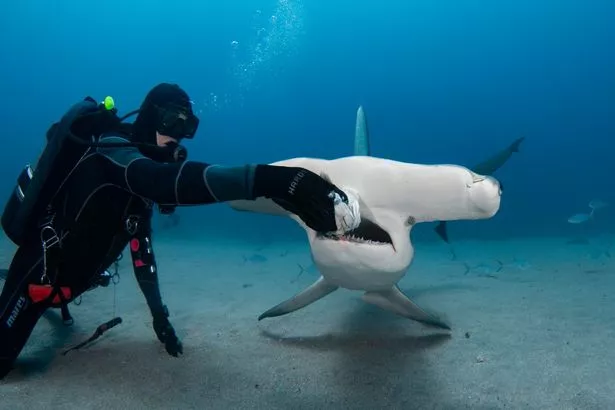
(107, 203)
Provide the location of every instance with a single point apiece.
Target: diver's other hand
(166, 334)
(301, 192)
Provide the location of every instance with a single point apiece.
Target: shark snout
(485, 196)
(495, 183)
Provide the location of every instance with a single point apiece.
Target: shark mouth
(367, 232)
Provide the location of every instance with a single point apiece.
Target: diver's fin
(361, 134)
(395, 301)
(441, 231)
(317, 290)
(514, 147)
(4, 273)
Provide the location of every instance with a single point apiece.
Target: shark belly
(360, 267)
(354, 278)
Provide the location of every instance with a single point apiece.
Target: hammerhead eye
(477, 178)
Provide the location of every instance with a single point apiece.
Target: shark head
(393, 196)
(484, 196)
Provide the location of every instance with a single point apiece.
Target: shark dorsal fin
(361, 134)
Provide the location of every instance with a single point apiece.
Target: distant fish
(256, 258)
(596, 204)
(310, 269)
(598, 253)
(579, 218)
(517, 263)
(484, 268)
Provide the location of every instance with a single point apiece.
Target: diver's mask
(178, 123)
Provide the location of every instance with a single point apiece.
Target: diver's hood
(148, 119)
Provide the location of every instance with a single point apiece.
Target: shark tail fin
(514, 147)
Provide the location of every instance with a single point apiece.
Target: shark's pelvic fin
(442, 231)
(361, 134)
(395, 301)
(317, 290)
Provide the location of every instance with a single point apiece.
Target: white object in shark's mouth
(367, 232)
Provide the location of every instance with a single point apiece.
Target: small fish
(596, 204)
(599, 253)
(256, 258)
(579, 218)
(484, 269)
(310, 269)
(519, 264)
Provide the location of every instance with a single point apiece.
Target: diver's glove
(166, 333)
(301, 192)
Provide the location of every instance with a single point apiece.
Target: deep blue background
(442, 82)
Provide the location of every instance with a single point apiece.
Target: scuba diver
(92, 194)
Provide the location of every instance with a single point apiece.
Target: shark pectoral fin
(317, 290)
(395, 301)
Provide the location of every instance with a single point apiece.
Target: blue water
(442, 82)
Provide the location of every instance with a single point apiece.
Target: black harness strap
(52, 259)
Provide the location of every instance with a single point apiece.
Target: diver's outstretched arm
(296, 189)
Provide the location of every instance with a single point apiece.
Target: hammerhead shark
(393, 196)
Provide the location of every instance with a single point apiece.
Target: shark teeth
(368, 232)
(353, 238)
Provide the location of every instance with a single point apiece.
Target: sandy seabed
(533, 328)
